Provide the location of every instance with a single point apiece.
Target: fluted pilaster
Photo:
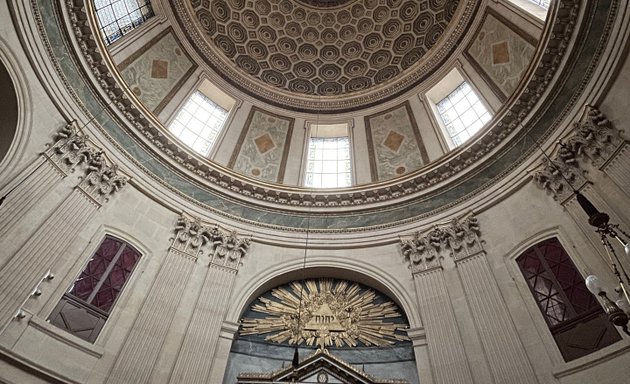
(505, 353)
(203, 331)
(68, 151)
(205, 326)
(27, 194)
(142, 346)
(618, 169)
(22, 273)
(449, 363)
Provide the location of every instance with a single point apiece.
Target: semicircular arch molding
(325, 267)
(15, 117)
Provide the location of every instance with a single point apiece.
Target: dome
(344, 52)
(343, 191)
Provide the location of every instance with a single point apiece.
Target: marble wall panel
(263, 146)
(500, 52)
(156, 71)
(394, 143)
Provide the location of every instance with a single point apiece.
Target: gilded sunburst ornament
(333, 313)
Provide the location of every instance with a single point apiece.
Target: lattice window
(199, 123)
(116, 18)
(462, 113)
(85, 307)
(328, 162)
(567, 306)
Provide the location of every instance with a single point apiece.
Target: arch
(15, 116)
(285, 272)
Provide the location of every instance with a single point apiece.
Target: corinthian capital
(459, 239)
(229, 249)
(559, 177)
(70, 148)
(191, 235)
(463, 238)
(102, 179)
(594, 137)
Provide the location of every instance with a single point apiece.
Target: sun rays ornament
(332, 313)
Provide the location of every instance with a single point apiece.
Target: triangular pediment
(308, 370)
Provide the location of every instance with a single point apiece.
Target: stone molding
(193, 237)
(594, 140)
(548, 59)
(459, 239)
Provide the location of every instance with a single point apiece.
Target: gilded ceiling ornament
(332, 313)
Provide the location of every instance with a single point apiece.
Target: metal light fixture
(618, 311)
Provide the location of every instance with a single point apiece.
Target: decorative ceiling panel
(334, 49)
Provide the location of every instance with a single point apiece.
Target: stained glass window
(328, 162)
(84, 309)
(199, 123)
(462, 113)
(571, 311)
(117, 17)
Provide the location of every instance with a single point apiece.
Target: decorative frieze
(458, 239)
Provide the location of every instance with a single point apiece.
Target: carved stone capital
(459, 239)
(559, 177)
(191, 235)
(194, 237)
(229, 249)
(421, 253)
(102, 179)
(463, 238)
(70, 148)
(595, 138)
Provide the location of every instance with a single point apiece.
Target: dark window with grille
(575, 318)
(117, 17)
(84, 309)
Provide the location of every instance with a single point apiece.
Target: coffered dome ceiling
(349, 53)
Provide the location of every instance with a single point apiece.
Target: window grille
(462, 113)
(199, 123)
(84, 309)
(570, 310)
(116, 18)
